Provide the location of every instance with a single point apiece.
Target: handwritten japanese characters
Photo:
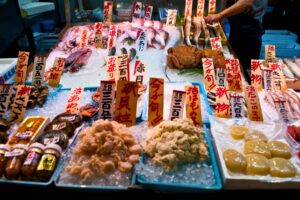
(188, 8)
(270, 54)
(139, 72)
(142, 41)
(200, 8)
(222, 102)
(279, 81)
(5, 91)
(107, 11)
(253, 104)
(177, 104)
(237, 105)
(256, 74)
(112, 36)
(216, 44)
(193, 106)
(21, 68)
(123, 67)
(234, 75)
(211, 6)
(98, 35)
(74, 100)
(111, 68)
(38, 70)
(171, 17)
(209, 74)
(156, 101)
(148, 12)
(107, 96)
(56, 72)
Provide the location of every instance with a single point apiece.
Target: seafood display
(89, 110)
(175, 142)
(37, 98)
(101, 150)
(28, 131)
(290, 67)
(181, 57)
(77, 60)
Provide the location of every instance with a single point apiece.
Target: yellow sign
(21, 68)
(56, 72)
(253, 104)
(156, 101)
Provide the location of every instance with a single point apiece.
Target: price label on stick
(234, 75)
(222, 102)
(98, 35)
(139, 72)
(177, 104)
(148, 12)
(278, 77)
(56, 72)
(188, 8)
(74, 100)
(256, 74)
(200, 8)
(171, 17)
(156, 101)
(270, 54)
(137, 9)
(237, 105)
(21, 69)
(253, 104)
(209, 74)
(5, 91)
(112, 36)
(38, 70)
(107, 97)
(193, 106)
(107, 11)
(123, 67)
(212, 7)
(111, 68)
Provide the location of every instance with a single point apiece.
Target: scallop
(279, 149)
(238, 132)
(234, 160)
(257, 147)
(257, 165)
(280, 167)
(124, 166)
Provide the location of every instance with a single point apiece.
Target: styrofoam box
(38, 7)
(233, 181)
(7, 68)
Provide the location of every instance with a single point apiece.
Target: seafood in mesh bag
(102, 149)
(175, 142)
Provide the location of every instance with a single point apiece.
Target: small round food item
(73, 118)
(55, 137)
(124, 166)
(3, 160)
(62, 126)
(15, 160)
(234, 160)
(257, 147)
(257, 165)
(48, 161)
(280, 167)
(256, 136)
(32, 160)
(238, 132)
(108, 167)
(280, 149)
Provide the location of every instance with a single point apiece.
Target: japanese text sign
(98, 35)
(221, 77)
(234, 76)
(107, 97)
(253, 104)
(216, 44)
(74, 100)
(84, 38)
(177, 105)
(270, 54)
(193, 106)
(209, 74)
(112, 36)
(111, 68)
(268, 79)
(142, 41)
(56, 72)
(137, 9)
(256, 74)
(188, 8)
(237, 105)
(278, 77)
(156, 101)
(148, 12)
(38, 70)
(21, 68)
(171, 17)
(200, 8)
(211, 6)
(139, 72)
(5, 91)
(123, 67)
(20, 103)
(125, 110)
(107, 11)
(222, 102)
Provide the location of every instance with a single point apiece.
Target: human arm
(237, 8)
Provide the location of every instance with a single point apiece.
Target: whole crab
(184, 57)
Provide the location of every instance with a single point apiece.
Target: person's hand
(210, 19)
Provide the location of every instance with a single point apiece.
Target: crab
(182, 57)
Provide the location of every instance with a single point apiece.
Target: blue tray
(173, 187)
(202, 93)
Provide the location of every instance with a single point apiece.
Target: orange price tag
(270, 54)
(74, 100)
(38, 70)
(211, 6)
(20, 103)
(278, 77)
(193, 106)
(123, 67)
(200, 8)
(21, 68)
(234, 75)
(253, 104)
(56, 72)
(98, 35)
(111, 68)
(156, 101)
(125, 112)
(107, 11)
(107, 97)
(256, 73)
(188, 8)
(222, 102)
(5, 91)
(177, 105)
(209, 74)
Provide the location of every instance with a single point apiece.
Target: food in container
(55, 137)
(238, 131)
(257, 147)
(257, 165)
(280, 149)
(234, 160)
(280, 167)
(32, 160)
